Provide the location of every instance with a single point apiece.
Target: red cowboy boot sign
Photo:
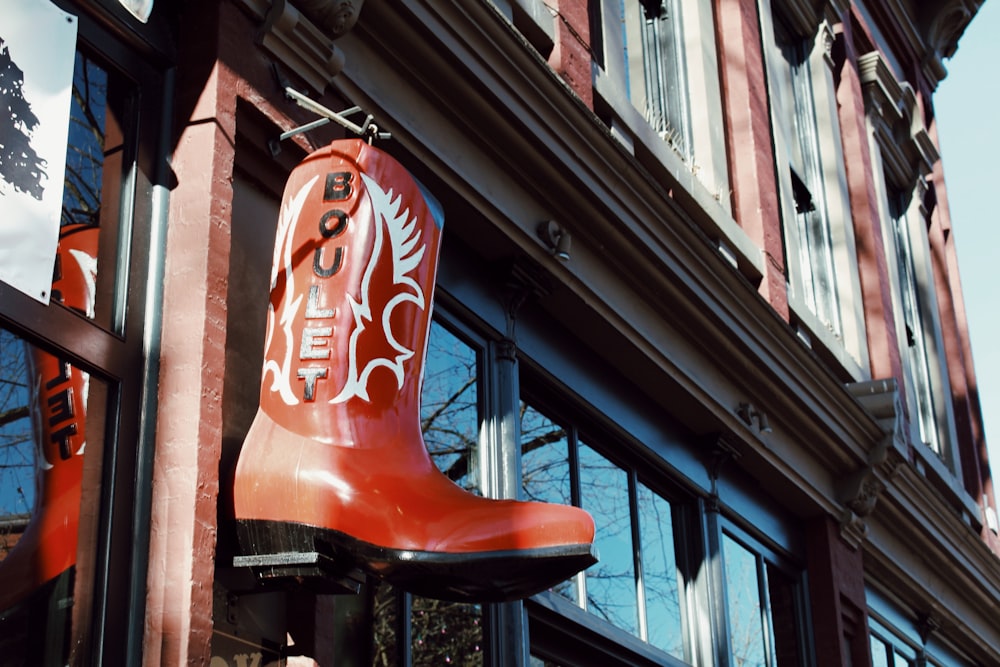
(335, 460)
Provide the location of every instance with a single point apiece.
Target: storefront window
(439, 632)
(637, 584)
(446, 633)
(74, 477)
(747, 614)
(660, 578)
(450, 407)
(97, 183)
(762, 603)
(45, 433)
(611, 591)
(546, 471)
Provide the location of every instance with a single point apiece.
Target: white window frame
(698, 151)
(904, 154)
(841, 328)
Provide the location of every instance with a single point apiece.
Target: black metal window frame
(123, 355)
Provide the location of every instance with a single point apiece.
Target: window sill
(677, 177)
(929, 465)
(825, 343)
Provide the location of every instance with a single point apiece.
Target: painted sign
(36, 82)
(338, 433)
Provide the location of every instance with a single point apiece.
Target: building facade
(698, 277)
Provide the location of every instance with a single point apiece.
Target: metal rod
(321, 110)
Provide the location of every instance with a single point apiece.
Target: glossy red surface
(347, 454)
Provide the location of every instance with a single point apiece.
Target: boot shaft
(352, 280)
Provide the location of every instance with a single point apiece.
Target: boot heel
(279, 552)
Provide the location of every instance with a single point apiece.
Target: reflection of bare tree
(16, 435)
(746, 618)
(85, 151)
(442, 632)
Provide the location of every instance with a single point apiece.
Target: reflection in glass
(545, 471)
(442, 632)
(783, 603)
(96, 163)
(450, 407)
(879, 652)
(611, 589)
(743, 603)
(446, 633)
(659, 573)
(385, 617)
(544, 458)
(43, 435)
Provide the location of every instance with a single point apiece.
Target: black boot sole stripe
(493, 576)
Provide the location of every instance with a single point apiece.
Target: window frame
(902, 155)
(702, 159)
(766, 557)
(810, 91)
(123, 356)
(553, 616)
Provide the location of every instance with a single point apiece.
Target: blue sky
(970, 143)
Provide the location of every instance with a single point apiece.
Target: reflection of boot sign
(48, 546)
(335, 461)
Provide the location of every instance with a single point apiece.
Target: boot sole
(277, 550)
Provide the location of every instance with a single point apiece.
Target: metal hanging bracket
(368, 129)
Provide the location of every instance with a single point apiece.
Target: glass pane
(44, 430)
(611, 589)
(743, 603)
(535, 661)
(442, 632)
(97, 160)
(545, 469)
(385, 617)
(446, 633)
(900, 661)
(544, 458)
(655, 72)
(879, 652)
(450, 407)
(782, 593)
(660, 577)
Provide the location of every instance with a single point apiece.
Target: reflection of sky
(611, 582)
(743, 603)
(85, 154)
(17, 453)
(30, 233)
(659, 576)
(449, 403)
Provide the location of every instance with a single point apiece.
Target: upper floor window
(916, 330)
(655, 69)
(904, 154)
(824, 289)
(657, 83)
